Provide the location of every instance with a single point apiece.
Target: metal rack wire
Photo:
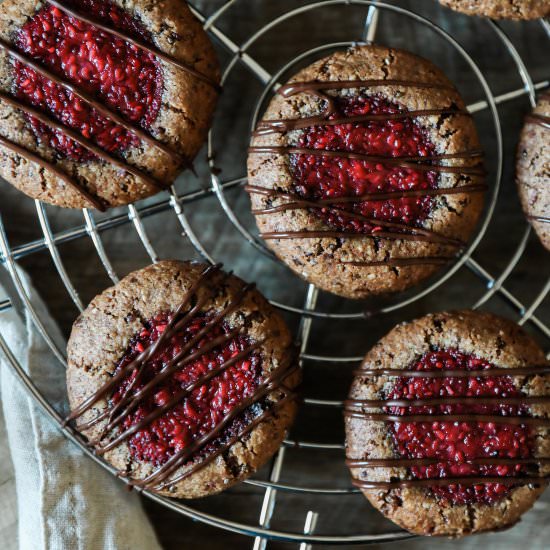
(176, 204)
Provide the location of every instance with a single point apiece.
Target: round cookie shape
(365, 174)
(102, 102)
(533, 169)
(183, 378)
(498, 9)
(475, 452)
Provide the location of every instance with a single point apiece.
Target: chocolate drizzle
(295, 202)
(354, 408)
(494, 418)
(399, 462)
(442, 373)
(146, 354)
(183, 315)
(223, 448)
(353, 403)
(115, 417)
(32, 157)
(417, 235)
(266, 127)
(175, 400)
(99, 106)
(527, 480)
(401, 262)
(273, 381)
(136, 42)
(403, 162)
(294, 88)
(80, 139)
(379, 196)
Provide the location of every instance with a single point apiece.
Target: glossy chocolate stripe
(176, 399)
(399, 462)
(88, 98)
(136, 42)
(133, 401)
(403, 162)
(348, 235)
(176, 363)
(447, 373)
(159, 475)
(379, 196)
(290, 396)
(271, 126)
(462, 400)
(139, 365)
(84, 142)
(168, 333)
(490, 418)
(294, 88)
(73, 184)
(402, 262)
(148, 352)
(373, 221)
(443, 481)
(179, 360)
(537, 118)
(474, 153)
(260, 393)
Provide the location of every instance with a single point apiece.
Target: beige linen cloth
(64, 500)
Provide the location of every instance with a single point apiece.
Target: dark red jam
(456, 442)
(323, 177)
(206, 406)
(124, 77)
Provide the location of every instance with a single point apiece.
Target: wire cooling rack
(238, 59)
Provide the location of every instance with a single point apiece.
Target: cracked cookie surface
(371, 245)
(533, 169)
(501, 9)
(456, 341)
(172, 106)
(241, 352)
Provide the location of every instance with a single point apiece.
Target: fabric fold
(64, 500)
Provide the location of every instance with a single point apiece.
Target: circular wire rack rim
(306, 313)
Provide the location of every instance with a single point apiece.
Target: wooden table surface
(504, 234)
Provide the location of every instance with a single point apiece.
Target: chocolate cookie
(501, 9)
(447, 424)
(102, 102)
(365, 174)
(533, 169)
(183, 378)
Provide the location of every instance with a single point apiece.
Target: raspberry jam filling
(323, 177)
(124, 77)
(204, 408)
(456, 442)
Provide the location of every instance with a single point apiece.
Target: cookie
(182, 377)
(501, 9)
(102, 102)
(471, 453)
(533, 169)
(365, 174)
